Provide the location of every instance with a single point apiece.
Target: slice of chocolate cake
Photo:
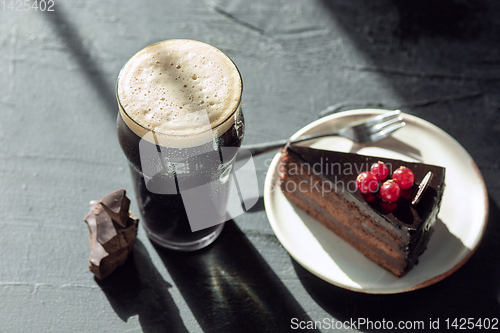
(323, 183)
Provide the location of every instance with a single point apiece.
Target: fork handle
(260, 148)
(265, 147)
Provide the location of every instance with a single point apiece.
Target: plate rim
(271, 179)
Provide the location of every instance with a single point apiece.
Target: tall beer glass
(180, 125)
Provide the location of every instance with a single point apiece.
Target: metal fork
(371, 130)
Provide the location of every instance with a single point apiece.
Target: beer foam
(179, 88)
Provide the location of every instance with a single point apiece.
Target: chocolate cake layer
(379, 255)
(323, 183)
(330, 205)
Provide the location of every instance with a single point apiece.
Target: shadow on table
(138, 288)
(68, 33)
(439, 57)
(454, 298)
(230, 288)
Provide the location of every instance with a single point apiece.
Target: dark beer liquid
(164, 216)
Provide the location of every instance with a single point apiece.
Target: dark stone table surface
(300, 60)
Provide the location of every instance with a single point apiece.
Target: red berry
(380, 170)
(367, 182)
(404, 177)
(407, 194)
(387, 207)
(369, 197)
(390, 191)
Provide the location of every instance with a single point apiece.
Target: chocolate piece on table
(110, 242)
(105, 229)
(116, 204)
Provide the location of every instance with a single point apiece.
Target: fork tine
(381, 126)
(386, 131)
(380, 118)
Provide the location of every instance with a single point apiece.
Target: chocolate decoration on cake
(112, 233)
(391, 234)
(421, 188)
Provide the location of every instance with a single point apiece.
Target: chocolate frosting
(343, 168)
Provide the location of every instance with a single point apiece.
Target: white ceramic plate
(459, 229)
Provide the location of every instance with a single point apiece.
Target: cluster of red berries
(390, 190)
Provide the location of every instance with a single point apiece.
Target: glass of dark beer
(180, 125)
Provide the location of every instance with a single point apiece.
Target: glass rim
(212, 129)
